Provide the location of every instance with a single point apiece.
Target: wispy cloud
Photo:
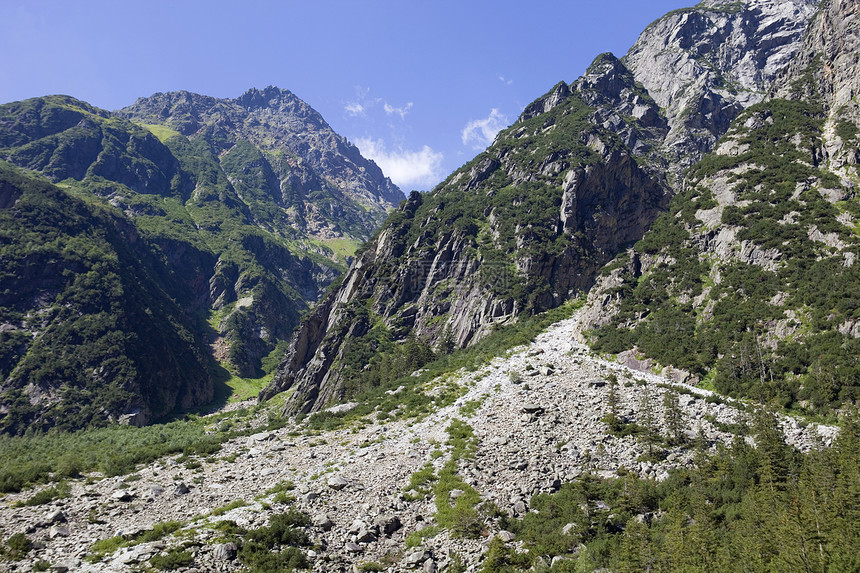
(363, 104)
(354, 108)
(401, 111)
(479, 133)
(407, 169)
(505, 81)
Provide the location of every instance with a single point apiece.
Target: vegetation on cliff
(134, 254)
(770, 312)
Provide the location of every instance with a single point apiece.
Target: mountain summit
(196, 227)
(321, 181)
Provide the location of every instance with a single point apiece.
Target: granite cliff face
(236, 229)
(580, 176)
(828, 58)
(705, 64)
(751, 277)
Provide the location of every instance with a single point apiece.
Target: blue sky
(420, 87)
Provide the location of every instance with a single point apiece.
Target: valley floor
(536, 416)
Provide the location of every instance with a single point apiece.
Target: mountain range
(146, 249)
(623, 337)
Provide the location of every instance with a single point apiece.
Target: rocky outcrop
(827, 70)
(703, 65)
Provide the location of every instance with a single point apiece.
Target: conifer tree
(673, 418)
(647, 420)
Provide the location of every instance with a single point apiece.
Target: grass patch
(107, 546)
(418, 482)
(61, 491)
(342, 248)
(242, 389)
(162, 132)
(416, 538)
(113, 450)
(230, 506)
(174, 559)
(458, 513)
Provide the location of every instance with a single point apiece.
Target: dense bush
(275, 548)
(777, 209)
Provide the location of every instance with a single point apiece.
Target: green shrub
(225, 508)
(60, 491)
(18, 545)
(174, 559)
(258, 558)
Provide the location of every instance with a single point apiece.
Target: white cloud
(479, 133)
(505, 81)
(354, 108)
(407, 169)
(401, 111)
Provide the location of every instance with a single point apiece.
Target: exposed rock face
(828, 58)
(740, 263)
(703, 65)
(301, 156)
(579, 177)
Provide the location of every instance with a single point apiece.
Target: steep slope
(753, 270)
(519, 229)
(528, 223)
(91, 321)
(245, 258)
(705, 64)
(322, 184)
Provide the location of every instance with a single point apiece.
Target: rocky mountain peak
(704, 64)
(305, 154)
(269, 96)
(559, 93)
(606, 75)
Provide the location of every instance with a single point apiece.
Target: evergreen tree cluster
(763, 508)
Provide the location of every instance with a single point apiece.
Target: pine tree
(648, 421)
(613, 420)
(845, 514)
(636, 553)
(673, 418)
(773, 453)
